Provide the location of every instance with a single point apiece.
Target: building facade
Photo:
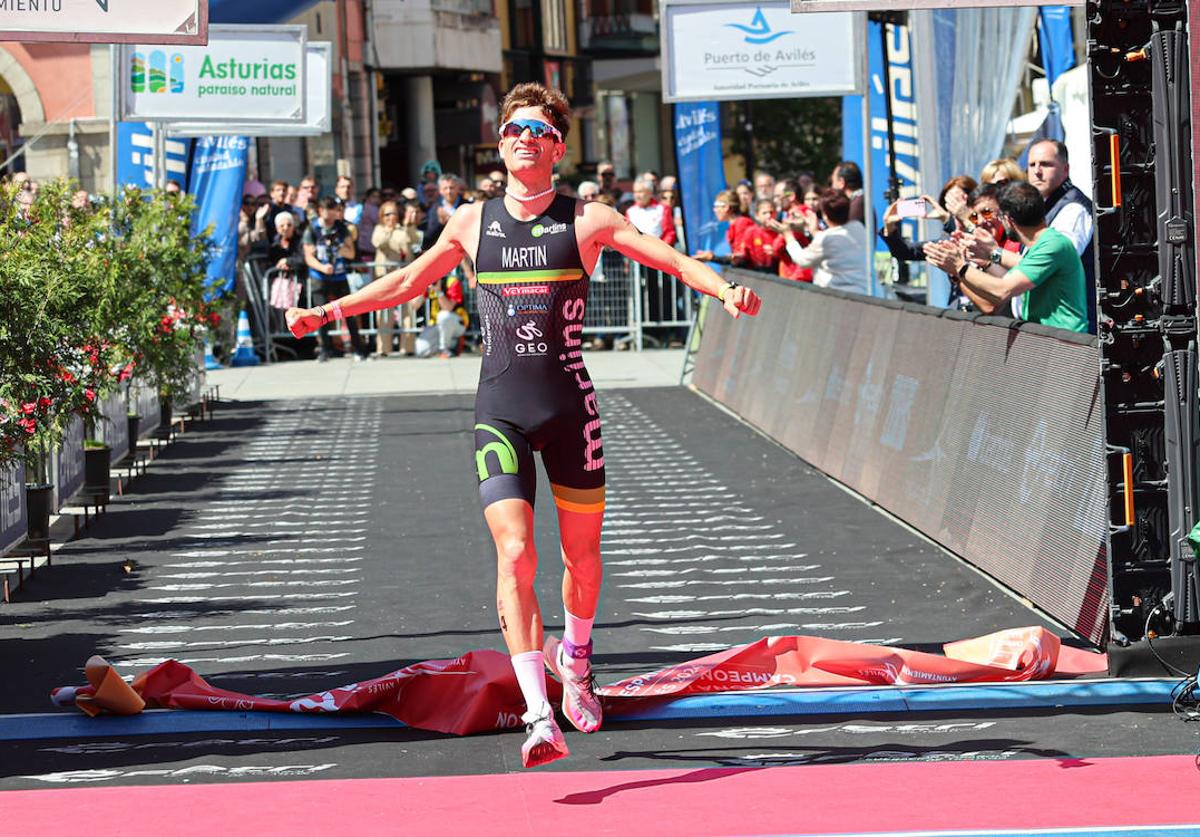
(414, 82)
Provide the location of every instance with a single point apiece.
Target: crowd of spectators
(1014, 243)
(331, 246)
(1005, 252)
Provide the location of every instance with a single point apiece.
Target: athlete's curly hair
(534, 95)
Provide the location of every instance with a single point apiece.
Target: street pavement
(303, 539)
(399, 375)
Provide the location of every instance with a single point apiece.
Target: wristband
(729, 286)
(320, 309)
(962, 271)
(335, 311)
(995, 256)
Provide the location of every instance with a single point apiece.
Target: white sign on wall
(105, 21)
(722, 51)
(318, 116)
(244, 74)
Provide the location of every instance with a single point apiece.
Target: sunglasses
(985, 214)
(536, 127)
(386, 214)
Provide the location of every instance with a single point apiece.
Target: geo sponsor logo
(525, 290)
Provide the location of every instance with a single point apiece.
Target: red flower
(28, 408)
(90, 395)
(44, 402)
(28, 424)
(66, 377)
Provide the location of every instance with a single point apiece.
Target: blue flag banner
(1057, 41)
(1051, 128)
(701, 174)
(904, 125)
(135, 156)
(217, 176)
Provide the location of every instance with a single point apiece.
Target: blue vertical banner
(1057, 41)
(217, 176)
(135, 156)
(701, 174)
(904, 125)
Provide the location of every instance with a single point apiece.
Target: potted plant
(96, 467)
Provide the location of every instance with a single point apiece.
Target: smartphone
(912, 208)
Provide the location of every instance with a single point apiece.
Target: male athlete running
(533, 251)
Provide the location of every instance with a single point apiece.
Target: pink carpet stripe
(1047, 793)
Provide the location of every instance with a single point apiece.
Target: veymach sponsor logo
(525, 290)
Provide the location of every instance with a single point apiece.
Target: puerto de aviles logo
(759, 31)
(156, 72)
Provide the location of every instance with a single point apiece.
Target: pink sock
(577, 631)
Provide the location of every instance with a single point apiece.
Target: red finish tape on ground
(478, 691)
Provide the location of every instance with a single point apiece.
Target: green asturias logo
(234, 70)
(156, 72)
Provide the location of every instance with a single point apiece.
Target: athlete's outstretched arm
(398, 286)
(614, 230)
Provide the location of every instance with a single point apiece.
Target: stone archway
(22, 87)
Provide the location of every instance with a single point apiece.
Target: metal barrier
(638, 304)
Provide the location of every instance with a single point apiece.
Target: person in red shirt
(792, 214)
(726, 207)
(762, 246)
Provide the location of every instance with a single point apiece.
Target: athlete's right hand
(301, 321)
(742, 300)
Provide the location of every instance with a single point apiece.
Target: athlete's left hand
(742, 300)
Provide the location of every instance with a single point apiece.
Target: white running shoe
(545, 742)
(580, 703)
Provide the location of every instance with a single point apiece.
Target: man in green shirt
(1049, 278)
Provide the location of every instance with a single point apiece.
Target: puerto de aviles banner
(478, 691)
(731, 51)
(217, 176)
(701, 174)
